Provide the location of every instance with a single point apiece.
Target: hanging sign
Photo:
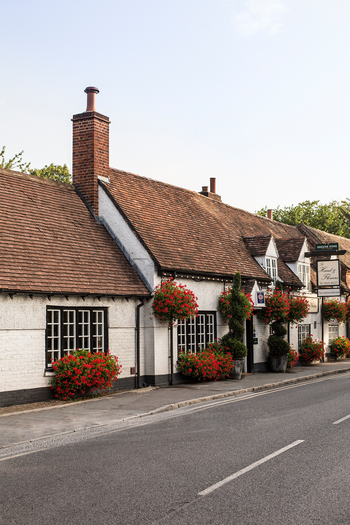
(329, 246)
(328, 273)
(260, 300)
(328, 292)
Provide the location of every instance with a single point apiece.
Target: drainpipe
(171, 379)
(322, 326)
(138, 307)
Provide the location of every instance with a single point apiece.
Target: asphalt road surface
(274, 457)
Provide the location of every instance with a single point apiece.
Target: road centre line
(247, 469)
(251, 395)
(341, 420)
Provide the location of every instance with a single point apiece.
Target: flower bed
(173, 301)
(334, 310)
(208, 365)
(311, 350)
(340, 348)
(82, 370)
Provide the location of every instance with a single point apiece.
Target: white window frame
(70, 328)
(304, 330)
(304, 274)
(271, 267)
(196, 332)
(333, 332)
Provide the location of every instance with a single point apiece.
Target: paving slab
(21, 427)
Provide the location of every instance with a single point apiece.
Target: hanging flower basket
(173, 301)
(224, 305)
(298, 308)
(347, 314)
(334, 310)
(277, 307)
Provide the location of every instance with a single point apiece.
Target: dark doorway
(250, 346)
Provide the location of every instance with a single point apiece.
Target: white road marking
(250, 467)
(341, 420)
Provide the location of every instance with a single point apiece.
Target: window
(70, 328)
(304, 274)
(196, 332)
(271, 267)
(333, 332)
(303, 333)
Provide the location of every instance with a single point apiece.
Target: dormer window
(304, 274)
(271, 267)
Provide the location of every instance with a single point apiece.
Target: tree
(332, 218)
(53, 171)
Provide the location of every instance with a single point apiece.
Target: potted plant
(340, 348)
(311, 350)
(239, 310)
(276, 315)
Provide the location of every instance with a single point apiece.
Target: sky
(253, 92)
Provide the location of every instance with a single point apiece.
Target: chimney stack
(90, 149)
(269, 214)
(212, 193)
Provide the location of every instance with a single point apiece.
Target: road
(274, 457)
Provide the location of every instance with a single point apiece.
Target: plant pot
(279, 363)
(237, 369)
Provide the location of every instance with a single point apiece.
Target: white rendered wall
(22, 336)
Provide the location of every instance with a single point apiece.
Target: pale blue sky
(252, 92)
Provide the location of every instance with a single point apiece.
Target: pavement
(37, 424)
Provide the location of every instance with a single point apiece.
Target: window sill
(49, 373)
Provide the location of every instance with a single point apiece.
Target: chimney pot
(212, 185)
(269, 214)
(91, 98)
(205, 189)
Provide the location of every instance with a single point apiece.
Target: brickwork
(90, 154)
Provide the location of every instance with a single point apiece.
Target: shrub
(334, 310)
(311, 350)
(340, 347)
(82, 370)
(207, 365)
(225, 307)
(173, 301)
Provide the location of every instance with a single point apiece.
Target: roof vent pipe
(91, 98)
(269, 214)
(212, 185)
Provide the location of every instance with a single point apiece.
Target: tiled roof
(257, 245)
(188, 232)
(287, 276)
(50, 243)
(289, 249)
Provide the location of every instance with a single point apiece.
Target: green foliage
(277, 345)
(16, 163)
(333, 217)
(238, 310)
(53, 172)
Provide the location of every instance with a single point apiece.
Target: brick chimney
(212, 193)
(90, 149)
(269, 214)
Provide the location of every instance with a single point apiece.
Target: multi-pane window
(196, 332)
(271, 267)
(304, 274)
(70, 328)
(333, 332)
(303, 333)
